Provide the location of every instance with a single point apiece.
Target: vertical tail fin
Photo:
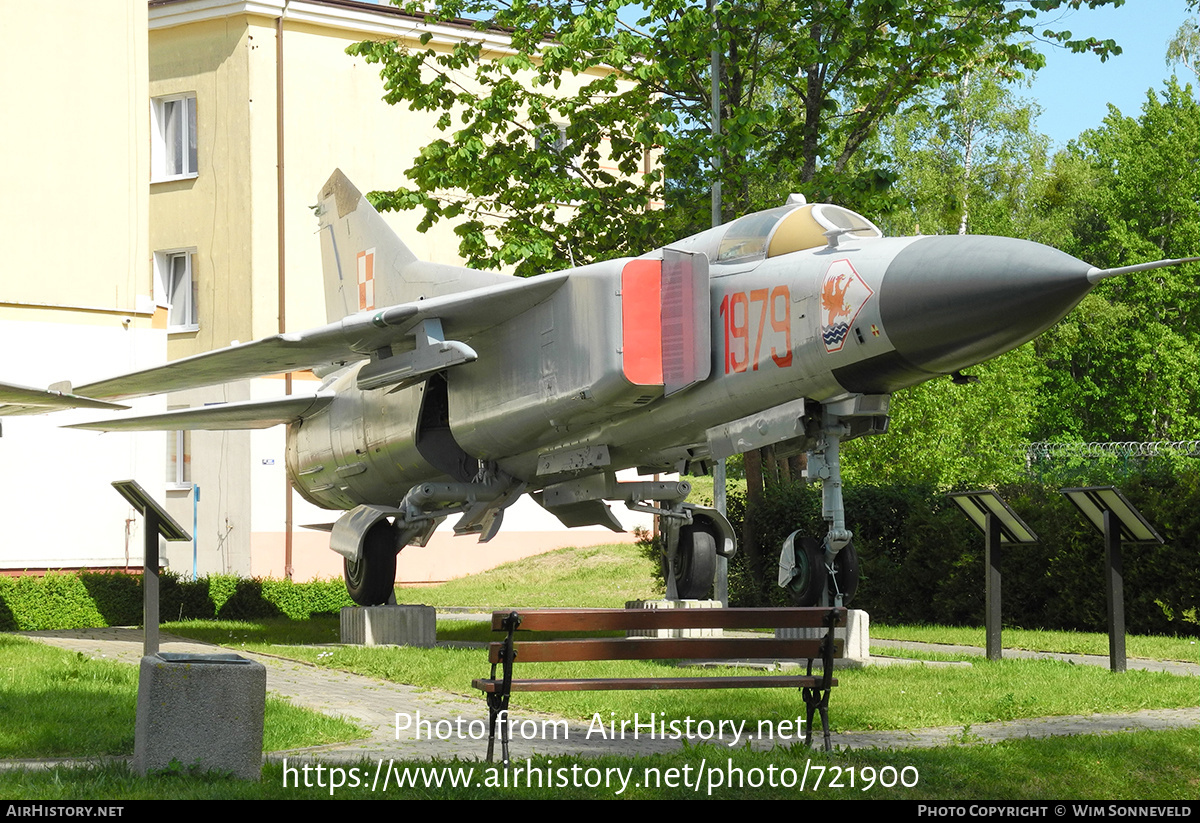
(361, 256)
(367, 266)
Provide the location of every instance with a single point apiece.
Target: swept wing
(353, 338)
(249, 414)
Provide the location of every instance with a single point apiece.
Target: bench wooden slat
(652, 648)
(649, 683)
(628, 619)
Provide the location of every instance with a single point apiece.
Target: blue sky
(1074, 90)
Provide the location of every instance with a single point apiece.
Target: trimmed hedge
(91, 600)
(922, 561)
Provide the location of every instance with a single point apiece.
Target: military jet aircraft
(450, 391)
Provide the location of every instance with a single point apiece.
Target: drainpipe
(280, 242)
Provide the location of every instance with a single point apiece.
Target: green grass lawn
(58, 703)
(1186, 649)
(884, 697)
(51, 697)
(1129, 766)
(873, 698)
(588, 577)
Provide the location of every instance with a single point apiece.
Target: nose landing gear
(825, 572)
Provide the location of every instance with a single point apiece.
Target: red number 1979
(745, 315)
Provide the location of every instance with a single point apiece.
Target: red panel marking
(641, 322)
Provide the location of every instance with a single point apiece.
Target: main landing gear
(369, 537)
(693, 538)
(370, 579)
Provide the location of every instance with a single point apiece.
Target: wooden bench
(814, 688)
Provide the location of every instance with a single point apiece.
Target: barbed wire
(1156, 448)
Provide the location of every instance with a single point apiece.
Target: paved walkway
(1169, 666)
(457, 725)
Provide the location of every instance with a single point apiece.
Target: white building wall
(56, 500)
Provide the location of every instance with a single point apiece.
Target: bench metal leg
(498, 700)
(817, 700)
(498, 715)
(824, 709)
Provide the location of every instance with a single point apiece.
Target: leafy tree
(969, 162)
(1184, 47)
(945, 435)
(1125, 366)
(568, 118)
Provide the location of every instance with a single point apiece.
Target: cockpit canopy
(778, 231)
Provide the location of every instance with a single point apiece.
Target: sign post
(158, 522)
(999, 524)
(1116, 518)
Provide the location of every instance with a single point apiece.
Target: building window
(552, 139)
(175, 288)
(179, 460)
(173, 125)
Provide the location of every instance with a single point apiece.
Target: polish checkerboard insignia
(366, 279)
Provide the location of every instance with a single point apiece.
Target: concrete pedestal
(674, 604)
(856, 633)
(201, 712)
(389, 626)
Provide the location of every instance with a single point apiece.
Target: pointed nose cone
(951, 302)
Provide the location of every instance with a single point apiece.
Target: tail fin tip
(344, 193)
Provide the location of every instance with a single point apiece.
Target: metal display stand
(158, 522)
(999, 524)
(1116, 518)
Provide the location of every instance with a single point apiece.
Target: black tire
(372, 579)
(811, 575)
(695, 562)
(845, 566)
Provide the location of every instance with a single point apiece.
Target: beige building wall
(211, 212)
(74, 138)
(75, 284)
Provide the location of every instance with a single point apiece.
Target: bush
(91, 599)
(922, 561)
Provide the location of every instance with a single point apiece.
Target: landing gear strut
(825, 572)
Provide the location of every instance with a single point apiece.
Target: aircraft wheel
(811, 575)
(845, 566)
(695, 562)
(371, 580)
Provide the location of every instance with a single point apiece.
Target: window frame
(164, 268)
(160, 153)
(179, 443)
